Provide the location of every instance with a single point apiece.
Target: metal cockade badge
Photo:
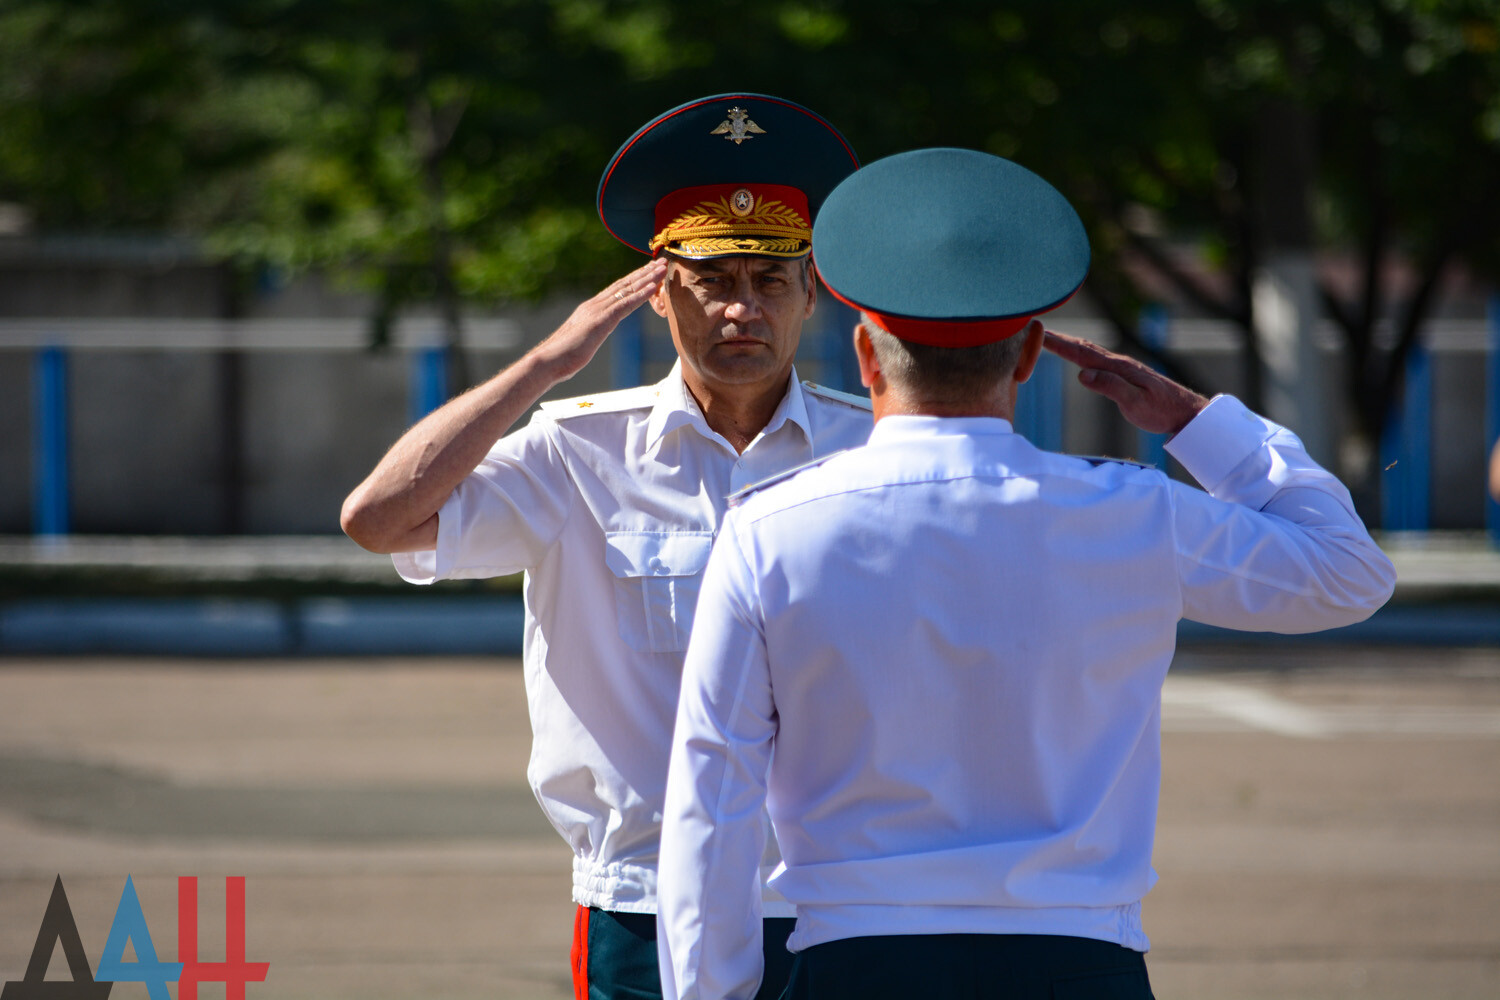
(738, 127)
(742, 202)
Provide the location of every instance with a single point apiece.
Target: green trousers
(614, 956)
(969, 967)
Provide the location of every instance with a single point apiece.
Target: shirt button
(653, 564)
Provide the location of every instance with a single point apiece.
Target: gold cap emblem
(742, 202)
(738, 127)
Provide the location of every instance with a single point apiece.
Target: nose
(743, 305)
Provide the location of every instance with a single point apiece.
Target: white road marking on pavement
(1203, 704)
(1255, 709)
(1416, 720)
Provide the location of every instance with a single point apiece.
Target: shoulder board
(636, 398)
(1111, 460)
(849, 398)
(739, 496)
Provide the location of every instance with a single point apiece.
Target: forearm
(395, 508)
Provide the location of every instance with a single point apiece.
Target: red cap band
(940, 332)
(713, 213)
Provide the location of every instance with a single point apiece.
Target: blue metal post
(1405, 450)
(429, 381)
(50, 500)
(627, 353)
(1155, 327)
(1393, 490)
(1492, 415)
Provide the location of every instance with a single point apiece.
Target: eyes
(768, 280)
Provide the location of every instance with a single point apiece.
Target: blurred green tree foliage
(448, 151)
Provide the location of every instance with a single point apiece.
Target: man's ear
(810, 279)
(658, 298)
(1031, 350)
(864, 350)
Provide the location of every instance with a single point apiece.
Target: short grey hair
(954, 375)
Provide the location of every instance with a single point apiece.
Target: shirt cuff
(1218, 439)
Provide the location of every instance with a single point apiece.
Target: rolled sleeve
(503, 516)
(430, 565)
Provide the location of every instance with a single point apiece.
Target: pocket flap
(657, 553)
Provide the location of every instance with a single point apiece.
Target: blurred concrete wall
(215, 436)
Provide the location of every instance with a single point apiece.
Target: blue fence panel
(50, 469)
(627, 352)
(1039, 405)
(1406, 450)
(429, 381)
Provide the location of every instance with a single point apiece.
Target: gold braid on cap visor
(770, 228)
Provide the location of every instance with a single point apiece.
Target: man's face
(735, 320)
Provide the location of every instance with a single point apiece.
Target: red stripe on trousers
(581, 954)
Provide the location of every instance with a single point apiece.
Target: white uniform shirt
(610, 504)
(956, 643)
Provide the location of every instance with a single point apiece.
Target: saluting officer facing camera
(610, 503)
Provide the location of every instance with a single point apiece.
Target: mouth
(741, 340)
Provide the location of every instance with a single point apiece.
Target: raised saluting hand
(1146, 398)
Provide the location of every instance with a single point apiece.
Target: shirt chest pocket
(657, 576)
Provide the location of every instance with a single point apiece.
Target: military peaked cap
(727, 174)
(949, 247)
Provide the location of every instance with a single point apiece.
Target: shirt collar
(901, 427)
(675, 407)
(793, 409)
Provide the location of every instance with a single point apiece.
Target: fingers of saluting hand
(1113, 387)
(572, 345)
(1146, 398)
(1088, 355)
(627, 293)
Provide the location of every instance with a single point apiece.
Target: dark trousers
(969, 967)
(614, 956)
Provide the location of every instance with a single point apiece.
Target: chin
(741, 371)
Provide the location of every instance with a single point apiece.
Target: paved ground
(1330, 822)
